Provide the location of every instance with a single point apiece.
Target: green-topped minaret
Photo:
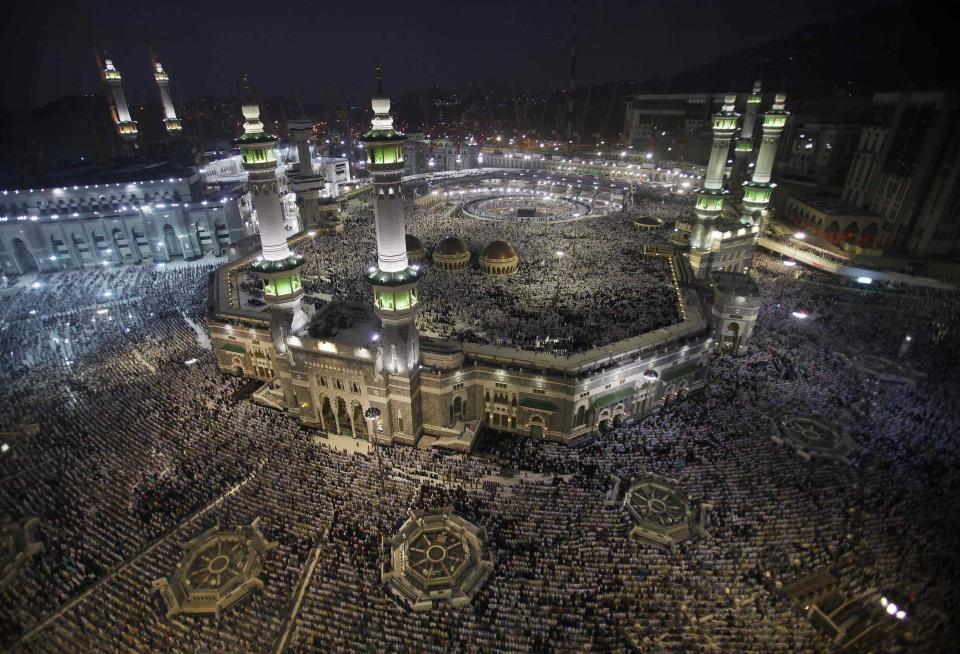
(279, 269)
(757, 192)
(393, 280)
(710, 198)
(743, 146)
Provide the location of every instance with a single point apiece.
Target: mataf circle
(527, 208)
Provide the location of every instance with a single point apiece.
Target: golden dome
(498, 251)
(415, 250)
(499, 258)
(451, 247)
(451, 254)
(413, 243)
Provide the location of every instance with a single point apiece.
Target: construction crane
(613, 99)
(581, 128)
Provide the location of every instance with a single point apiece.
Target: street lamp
(799, 236)
(892, 609)
(371, 415)
(559, 255)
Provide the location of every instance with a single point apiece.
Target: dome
(498, 251)
(499, 258)
(415, 250)
(644, 223)
(451, 246)
(413, 243)
(451, 254)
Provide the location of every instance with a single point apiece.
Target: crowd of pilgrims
(603, 288)
(139, 451)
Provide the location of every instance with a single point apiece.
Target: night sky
(327, 49)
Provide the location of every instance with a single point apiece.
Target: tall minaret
(279, 268)
(316, 211)
(743, 149)
(757, 192)
(300, 136)
(170, 120)
(710, 198)
(393, 281)
(126, 126)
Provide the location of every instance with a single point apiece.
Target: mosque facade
(127, 217)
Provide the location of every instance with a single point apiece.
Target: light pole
(799, 236)
(556, 295)
(905, 346)
(371, 415)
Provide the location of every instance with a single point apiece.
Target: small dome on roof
(451, 254)
(451, 246)
(415, 250)
(648, 220)
(499, 258)
(413, 243)
(498, 250)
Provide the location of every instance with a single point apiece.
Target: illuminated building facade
(117, 217)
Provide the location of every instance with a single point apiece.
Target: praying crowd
(141, 446)
(579, 285)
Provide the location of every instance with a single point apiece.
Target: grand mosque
(365, 369)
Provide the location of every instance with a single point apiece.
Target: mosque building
(363, 370)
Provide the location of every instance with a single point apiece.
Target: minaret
(743, 149)
(393, 280)
(710, 198)
(316, 213)
(300, 136)
(279, 269)
(757, 192)
(126, 126)
(170, 120)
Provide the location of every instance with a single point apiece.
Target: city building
(144, 213)
(900, 193)
(422, 154)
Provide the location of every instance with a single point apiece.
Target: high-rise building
(905, 173)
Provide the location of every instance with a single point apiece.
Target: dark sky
(329, 48)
